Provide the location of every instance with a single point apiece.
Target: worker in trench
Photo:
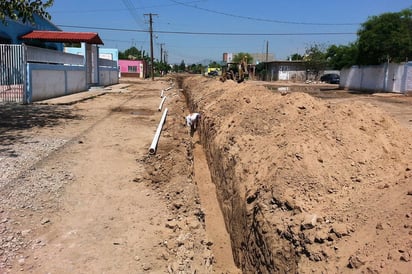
(192, 121)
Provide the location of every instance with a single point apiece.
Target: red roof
(64, 36)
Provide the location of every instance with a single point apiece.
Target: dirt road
(102, 211)
(81, 194)
(81, 202)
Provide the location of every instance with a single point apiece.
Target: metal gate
(12, 73)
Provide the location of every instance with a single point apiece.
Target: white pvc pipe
(168, 88)
(161, 93)
(161, 103)
(152, 149)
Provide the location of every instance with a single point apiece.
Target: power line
(254, 34)
(262, 19)
(117, 10)
(132, 10)
(212, 33)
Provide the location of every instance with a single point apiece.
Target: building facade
(133, 68)
(12, 31)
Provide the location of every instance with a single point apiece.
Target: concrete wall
(286, 70)
(382, 78)
(104, 53)
(52, 74)
(48, 81)
(108, 76)
(408, 79)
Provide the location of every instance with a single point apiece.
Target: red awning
(64, 36)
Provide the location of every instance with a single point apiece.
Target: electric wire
(132, 10)
(262, 19)
(211, 33)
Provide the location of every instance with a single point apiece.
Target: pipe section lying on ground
(161, 103)
(163, 90)
(152, 149)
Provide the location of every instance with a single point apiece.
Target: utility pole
(161, 52)
(151, 42)
(267, 57)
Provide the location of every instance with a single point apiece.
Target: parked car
(213, 73)
(331, 78)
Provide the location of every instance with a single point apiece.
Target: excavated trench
(254, 249)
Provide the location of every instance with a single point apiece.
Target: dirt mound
(306, 185)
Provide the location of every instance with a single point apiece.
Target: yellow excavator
(238, 74)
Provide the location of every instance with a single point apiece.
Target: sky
(194, 31)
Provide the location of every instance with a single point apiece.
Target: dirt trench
(299, 179)
(252, 251)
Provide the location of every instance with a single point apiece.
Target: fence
(30, 74)
(12, 73)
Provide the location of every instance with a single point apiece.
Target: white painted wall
(53, 74)
(408, 78)
(108, 77)
(382, 78)
(49, 81)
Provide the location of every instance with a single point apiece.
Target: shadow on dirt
(14, 118)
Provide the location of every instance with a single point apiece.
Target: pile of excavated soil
(306, 185)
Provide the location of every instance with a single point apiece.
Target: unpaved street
(101, 212)
(306, 184)
(80, 201)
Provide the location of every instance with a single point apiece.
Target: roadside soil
(81, 194)
(315, 178)
(311, 179)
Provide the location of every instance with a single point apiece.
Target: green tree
(295, 57)
(315, 59)
(192, 68)
(24, 9)
(214, 64)
(175, 68)
(132, 54)
(342, 56)
(237, 58)
(182, 66)
(161, 68)
(196, 68)
(261, 70)
(387, 37)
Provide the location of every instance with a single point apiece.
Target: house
(133, 68)
(104, 53)
(286, 71)
(256, 57)
(12, 31)
(90, 42)
(35, 67)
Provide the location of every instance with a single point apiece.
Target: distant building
(285, 71)
(261, 57)
(257, 57)
(133, 68)
(227, 57)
